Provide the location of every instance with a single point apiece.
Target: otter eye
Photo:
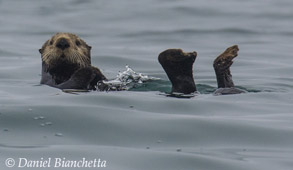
(77, 43)
(51, 42)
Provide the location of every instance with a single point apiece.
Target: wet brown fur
(222, 66)
(78, 53)
(178, 66)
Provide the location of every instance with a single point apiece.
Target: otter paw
(98, 76)
(82, 77)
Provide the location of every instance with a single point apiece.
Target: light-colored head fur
(78, 51)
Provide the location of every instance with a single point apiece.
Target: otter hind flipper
(178, 66)
(222, 66)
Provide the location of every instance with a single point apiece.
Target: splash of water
(124, 80)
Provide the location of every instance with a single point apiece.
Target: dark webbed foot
(222, 66)
(178, 66)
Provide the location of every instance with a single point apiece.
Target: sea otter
(178, 66)
(66, 63)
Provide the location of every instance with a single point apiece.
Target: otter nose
(62, 43)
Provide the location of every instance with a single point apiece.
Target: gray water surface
(142, 129)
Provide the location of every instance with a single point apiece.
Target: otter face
(66, 47)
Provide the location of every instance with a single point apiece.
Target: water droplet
(59, 134)
(42, 124)
(41, 117)
(36, 118)
(49, 123)
(30, 109)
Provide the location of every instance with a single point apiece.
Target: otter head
(178, 66)
(65, 48)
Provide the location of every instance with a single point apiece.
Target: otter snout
(62, 43)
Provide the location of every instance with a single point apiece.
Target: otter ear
(42, 49)
(89, 47)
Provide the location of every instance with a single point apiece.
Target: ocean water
(143, 129)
